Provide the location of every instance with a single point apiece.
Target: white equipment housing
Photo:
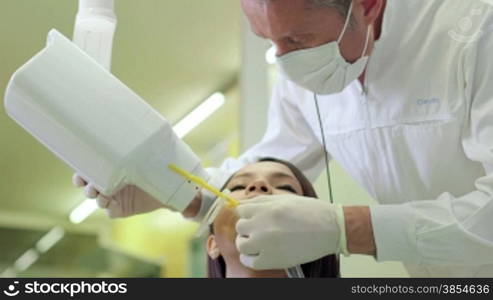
(99, 126)
(94, 29)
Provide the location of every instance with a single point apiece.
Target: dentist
(400, 94)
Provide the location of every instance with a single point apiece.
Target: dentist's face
(294, 25)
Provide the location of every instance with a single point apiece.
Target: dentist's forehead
(279, 19)
(275, 17)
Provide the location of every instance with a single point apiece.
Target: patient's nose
(258, 187)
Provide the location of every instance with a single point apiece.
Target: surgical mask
(322, 69)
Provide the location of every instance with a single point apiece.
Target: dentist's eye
(287, 188)
(294, 42)
(237, 188)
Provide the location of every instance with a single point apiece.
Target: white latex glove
(127, 202)
(218, 178)
(281, 231)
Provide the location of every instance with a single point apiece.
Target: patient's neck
(235, 269)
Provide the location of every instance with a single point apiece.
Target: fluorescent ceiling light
(84, 210)
(198, 115)
(26, 260)
(8, 273)
(50, 239)
(270, 55)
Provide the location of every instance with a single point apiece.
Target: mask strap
(348, 18)
(367, 41)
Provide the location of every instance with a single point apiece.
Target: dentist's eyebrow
(300, 33)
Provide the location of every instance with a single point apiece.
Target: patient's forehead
(265, 169)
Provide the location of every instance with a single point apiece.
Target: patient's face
(264, 178)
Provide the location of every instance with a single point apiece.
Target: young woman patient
(267, 177)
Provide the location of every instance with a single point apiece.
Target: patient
(268, 176)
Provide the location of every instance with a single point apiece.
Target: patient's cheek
(224, 230)
(225, 221)
(238, 195)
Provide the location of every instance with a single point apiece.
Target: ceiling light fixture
(270, 55)
(84, 210)
(50, 239)
(26, 260)
(199, 114)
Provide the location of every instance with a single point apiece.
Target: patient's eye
(237, 188)
(287, 187)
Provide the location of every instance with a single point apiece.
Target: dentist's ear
(371, 10)
(212, 249)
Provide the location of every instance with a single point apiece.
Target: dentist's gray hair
(342, 6)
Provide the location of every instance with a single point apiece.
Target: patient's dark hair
(327, 266)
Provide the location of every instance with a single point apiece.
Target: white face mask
(323, 70)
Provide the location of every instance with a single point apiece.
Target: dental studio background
(185, 58)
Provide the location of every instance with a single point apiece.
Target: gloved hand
(218, 178)
(281, 231)
(127, 202)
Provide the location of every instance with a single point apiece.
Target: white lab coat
(418, 137)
